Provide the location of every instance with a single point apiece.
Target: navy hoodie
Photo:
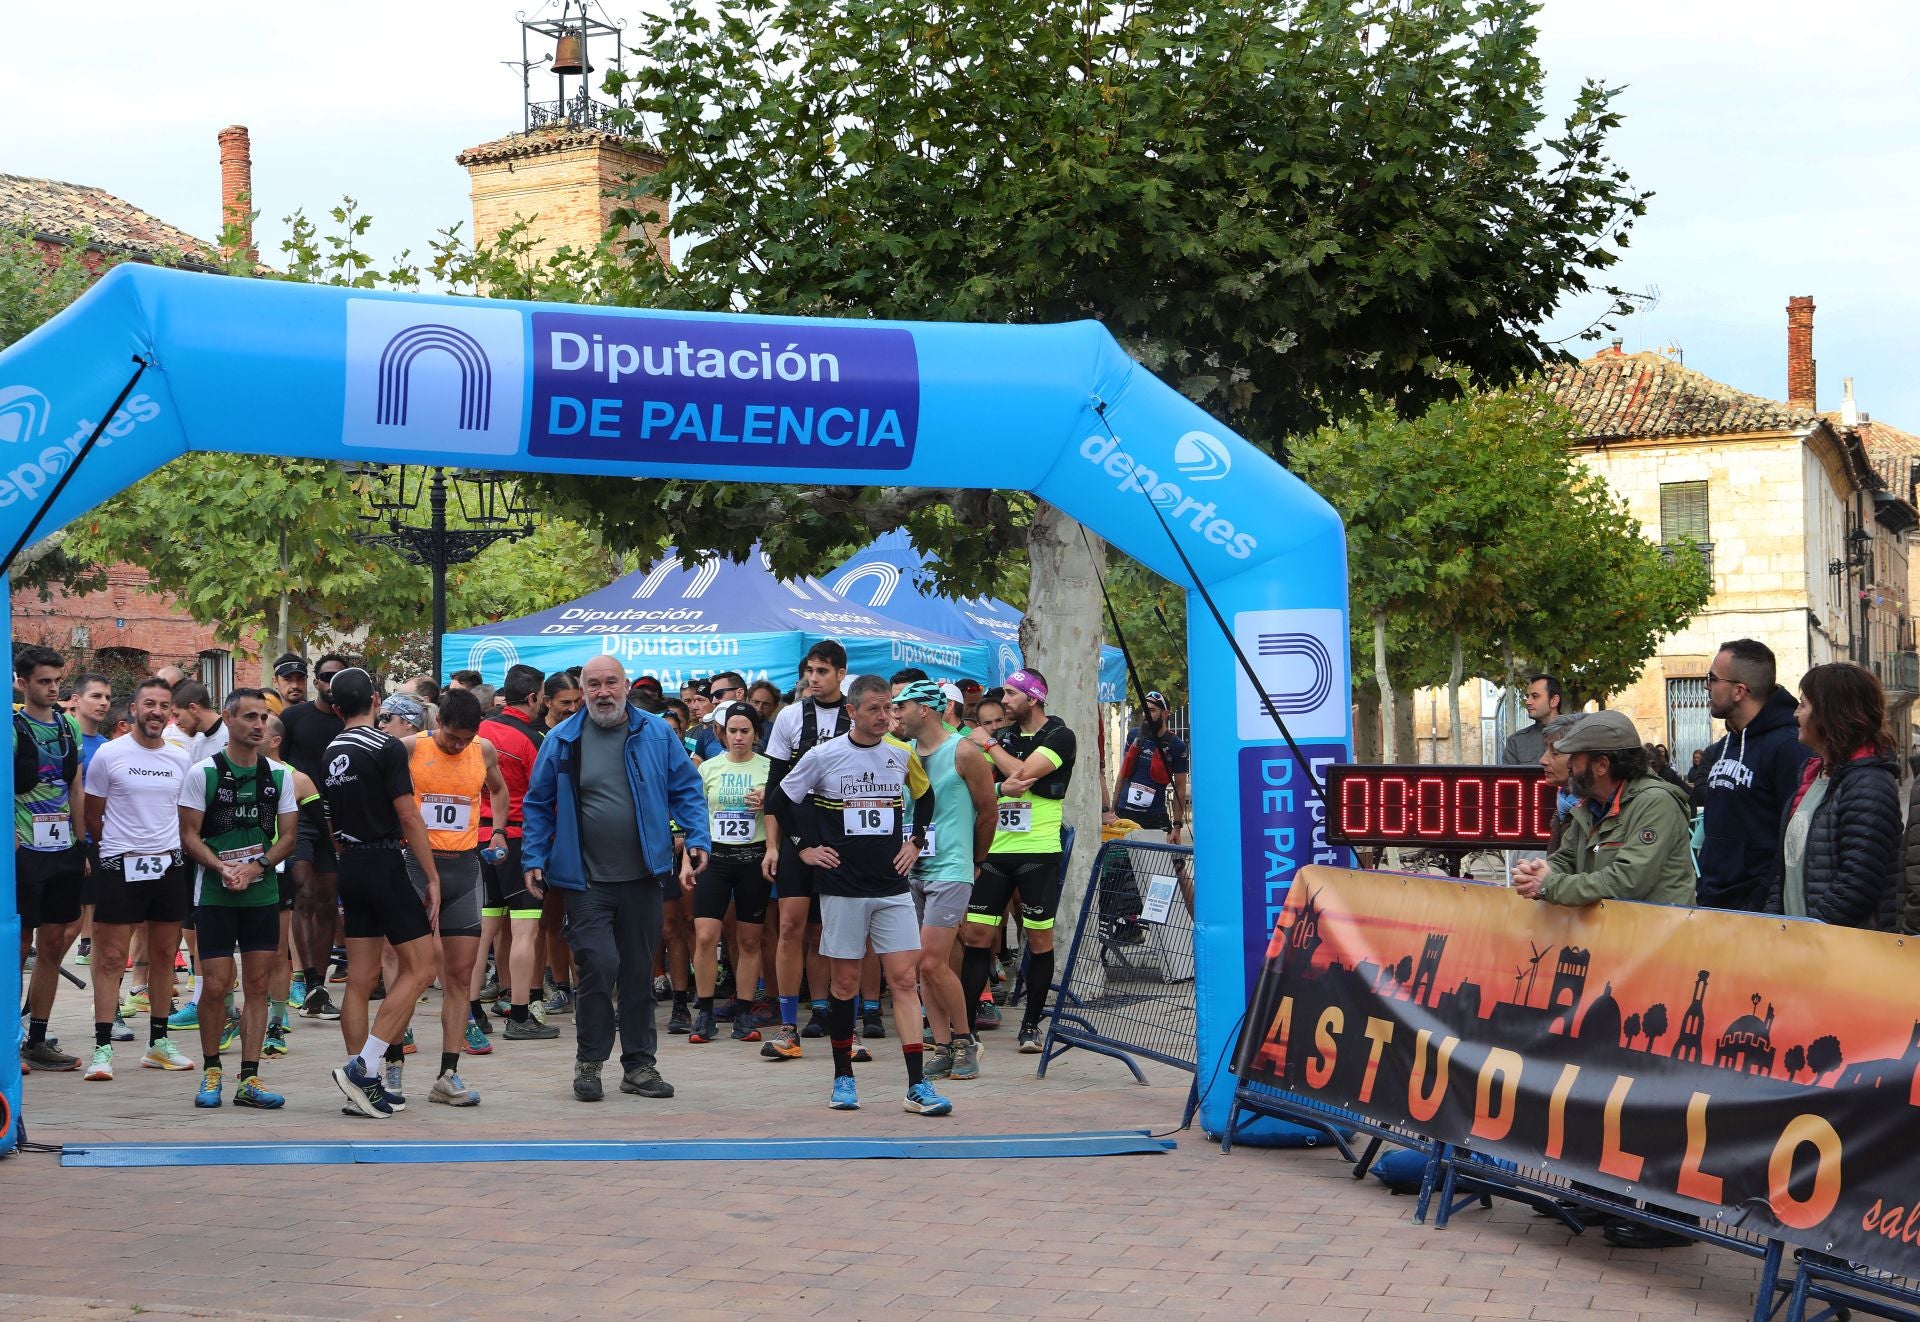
(1754, 774)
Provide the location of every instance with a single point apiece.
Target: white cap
(951, 692)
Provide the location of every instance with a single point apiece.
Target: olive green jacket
(1640, 850)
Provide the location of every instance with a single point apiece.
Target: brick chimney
(236, 185)
(1800, 366)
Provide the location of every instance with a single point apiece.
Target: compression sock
(314, 980)
(913, 1052)
(194, 984)
(975, 966)
(156, 1027)
(790, 1010)
(449, 1062)
(372, 1053)
(679, 999)
(213, 1061)
(840, 1034)
(519, 1013)
(103, 1034)
(36, 1032)
(1039, 983)
(249, 1069)
(704, 1004)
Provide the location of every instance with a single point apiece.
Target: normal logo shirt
(142, 789)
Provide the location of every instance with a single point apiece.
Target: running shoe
(704, 1028)
(187, 1016)
(726, 1009)
(297, 990)
(163, 1055)
(765, 1013)
(390, 1084)
(937, 1062)
(502, 1007)
(986, 1015)
(452, 1090)
(100, 1067)
(662, 987)
(531, 1030)
(1029, 1040)
(490, 992)
(250, 1093)
(44, 1055)
(319, 1005)
(966, 1059)
(816, 1023)
(406, 1044)
(784, 1045)
(121, 1033)
(477, 1044)
(846, 1097)
(681, 1020)
(339, 973)
(871, 1024)
(744, 1031)
(561, 1002)
(229, 1036)
(209, 1095)
(536, 1008)
(481, 1021)
(861, 1055)
(135, 1006)
(84, 955)
(362, 1089)
(923, 1100)
(586, 1080)
(276, 1043)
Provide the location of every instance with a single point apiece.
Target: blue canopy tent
(875, 576)
(677, 624)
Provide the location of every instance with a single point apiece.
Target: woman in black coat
(1841, 846)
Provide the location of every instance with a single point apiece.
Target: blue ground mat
(1098, 1143)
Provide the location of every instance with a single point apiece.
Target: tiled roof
(48, 208)
(551, 138)
(1624, 396)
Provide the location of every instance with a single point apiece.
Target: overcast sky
(1779, 139)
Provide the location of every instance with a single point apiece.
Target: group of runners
(858, 831)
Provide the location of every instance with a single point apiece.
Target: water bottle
(494, 853)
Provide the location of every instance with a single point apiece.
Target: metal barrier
(1126, 989)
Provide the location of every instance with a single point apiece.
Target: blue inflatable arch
(262, 367)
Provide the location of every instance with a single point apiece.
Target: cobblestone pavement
(1258, 1233)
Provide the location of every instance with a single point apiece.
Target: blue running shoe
(362, 1089)
(390, 1084)
(187, 1016)
(230, 1035)
(845, 1096)
(209, 1095)
(477, 1041)
(923, 1100)
(297, 992)
(250, 1093)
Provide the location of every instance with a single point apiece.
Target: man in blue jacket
(1754, 772)
(607, 781)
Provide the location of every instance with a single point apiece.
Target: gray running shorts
(941, 903)
(461, 891)
(848, 923)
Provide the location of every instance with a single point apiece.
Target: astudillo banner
(1759, 1072)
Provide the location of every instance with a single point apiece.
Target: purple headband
(1028, 683)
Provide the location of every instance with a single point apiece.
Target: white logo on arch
(1202, 456)
(23, 413)
(885, 579)
(494, 649)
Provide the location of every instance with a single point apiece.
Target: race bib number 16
(868, 817)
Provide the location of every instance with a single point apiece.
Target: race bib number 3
(146, 867)
(1016, 817)
(446, 812)
(52, 830)
(732, 828)
(1140, 796)
(868, 817)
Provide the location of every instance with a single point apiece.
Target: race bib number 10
(447, 812)
(868, 817)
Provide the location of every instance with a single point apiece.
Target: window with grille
(1683, 514)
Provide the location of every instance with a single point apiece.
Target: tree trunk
(1389, 717)
(1366, 724)
(286, 605)
(1403, 736)
(1453, 698)
(1061, 637)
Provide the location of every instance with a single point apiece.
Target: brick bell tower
(565, 170)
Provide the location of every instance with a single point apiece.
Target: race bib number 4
(868, 816)
(1016, 817)
(146, 867)
(732, 828)
(446, 812)
(52, 830)
(1140, 796)
(932, 844)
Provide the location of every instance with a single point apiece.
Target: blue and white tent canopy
(678, 623)
(891, 575)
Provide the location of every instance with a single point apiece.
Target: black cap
(352, 690)
(290, 663)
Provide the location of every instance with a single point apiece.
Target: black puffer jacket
(1853, 867)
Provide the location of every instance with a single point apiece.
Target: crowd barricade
(1126, 987)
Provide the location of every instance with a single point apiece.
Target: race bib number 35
(1016, 817)
(732, 828)
(446, 812)
(868, 817)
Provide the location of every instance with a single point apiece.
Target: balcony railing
(1704, 550)
(1899, 672)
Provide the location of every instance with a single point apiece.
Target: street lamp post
(497, 514)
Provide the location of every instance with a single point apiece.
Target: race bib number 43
(146, 867)
(1016, 817)
(446, 812)
(869, 816)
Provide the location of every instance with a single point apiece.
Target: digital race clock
(1487, 807)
